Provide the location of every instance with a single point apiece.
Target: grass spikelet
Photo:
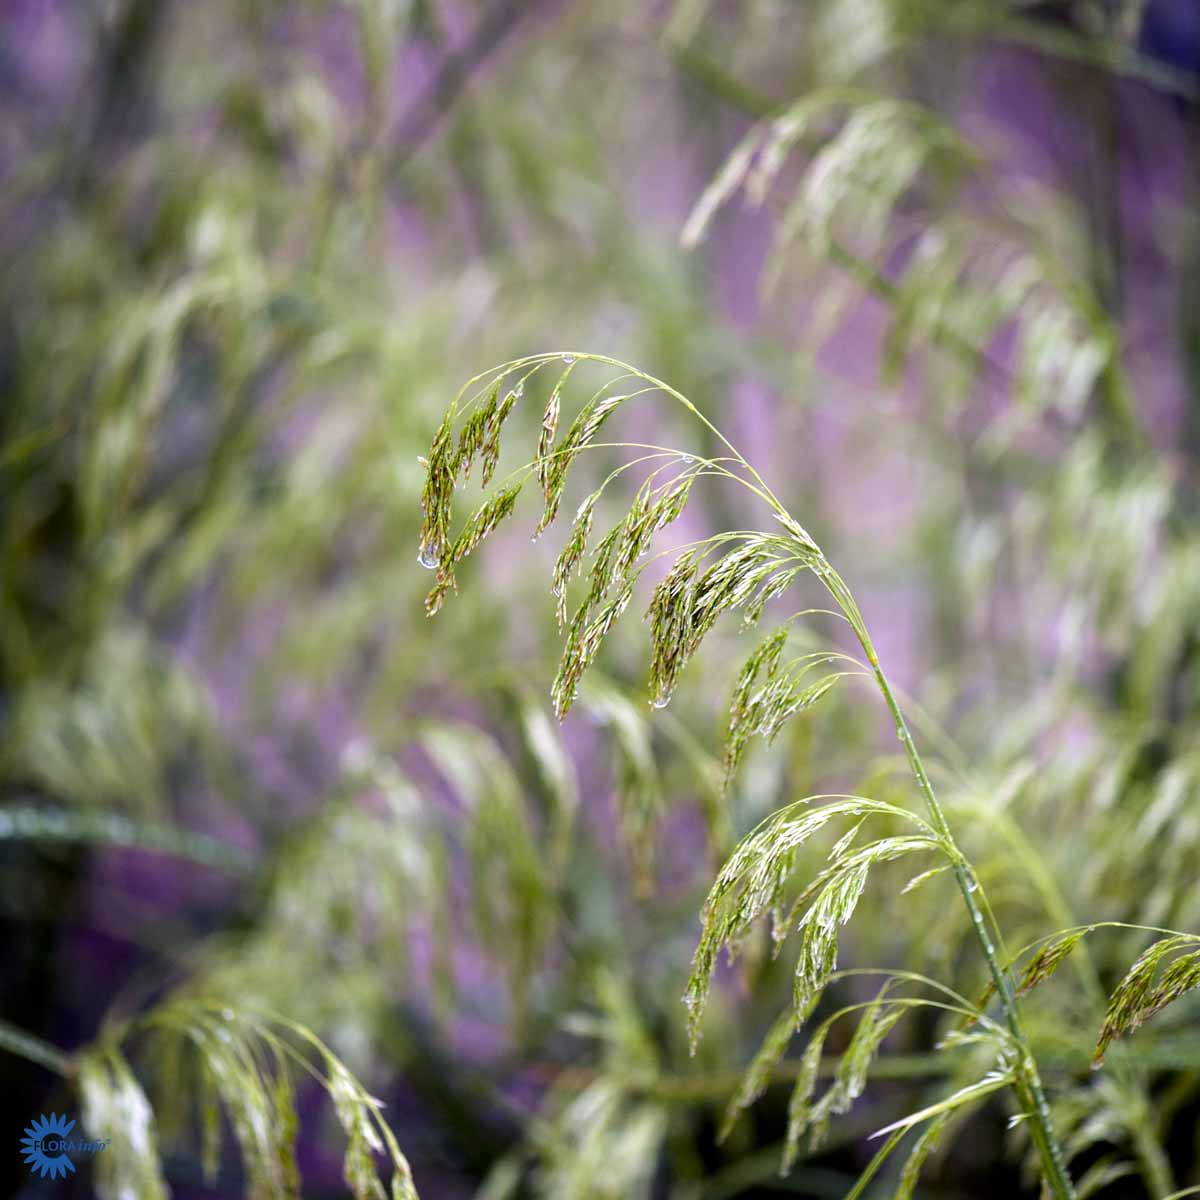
(807, 1116)
(362, 1139)
(758, 1074)
(668, 615)
(545, 467)
(920, 1151)
(876, 1024)
(1050, 956)
(483, 521)
(244, 1064)
(613, 568)
(800, 1108)
(764, 659)
(752, 882)
(490, 454)
(249, 1094)
(1138, 996)
(473, 437)
(763, 711)
(924, 876)
(437, 495)
(436, 596)
(582, 648)
(585, 427)
(571, 555)
(689, 600)
(116, 1108)
(841, 887)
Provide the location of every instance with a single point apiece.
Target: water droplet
(428, 558)
(568, 359)
(660, 701)
(972, 884)
(423, 462)
(519, 390)
(687, 459)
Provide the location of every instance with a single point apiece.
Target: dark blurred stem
(17, 1041)
(119, 96)
(466, 149)
(872, 280)
(708, 72)
(452, 78)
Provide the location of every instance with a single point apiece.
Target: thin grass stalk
(1041, 1125)
(26, 1046)
(1146, 1141)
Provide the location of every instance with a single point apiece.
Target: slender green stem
(1140, 1123)
(1029, 1081)
(17, 1041)
(1041, 1127)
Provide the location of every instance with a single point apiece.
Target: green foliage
(683, 610)
(218, 370)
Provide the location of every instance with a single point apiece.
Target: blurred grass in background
(250, 796)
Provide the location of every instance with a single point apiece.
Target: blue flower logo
(45, 1146)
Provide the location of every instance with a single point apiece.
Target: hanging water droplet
(568, 359)
(660, 701)
(428, 558)
(687, 459)
(519, 390)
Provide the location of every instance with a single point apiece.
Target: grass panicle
(743, 570)
(1145, 989)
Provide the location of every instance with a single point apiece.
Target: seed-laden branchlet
(744, 571)
(1144, 990)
